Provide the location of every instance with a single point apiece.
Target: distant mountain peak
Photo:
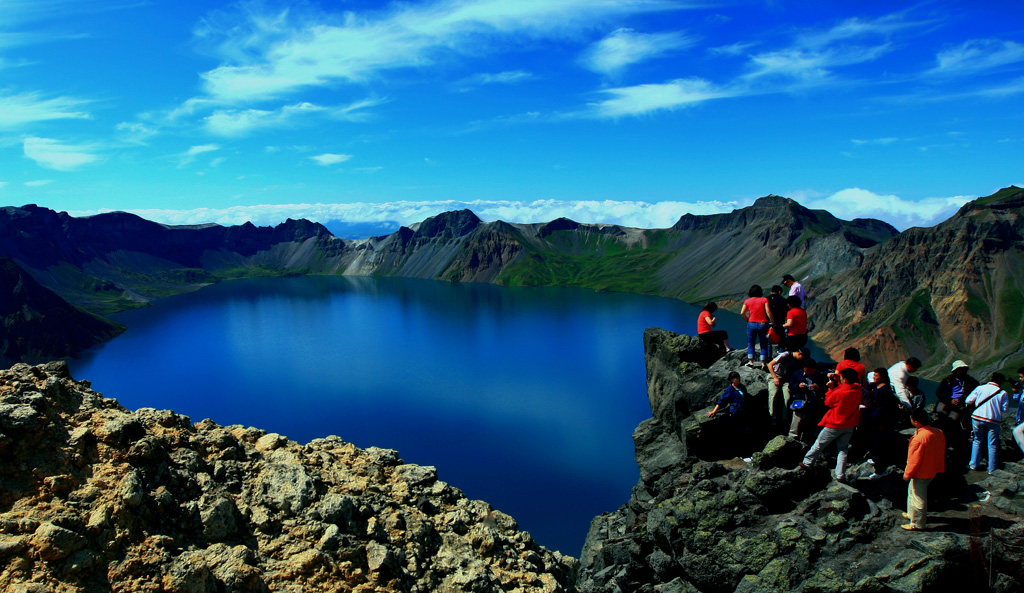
(455, 223)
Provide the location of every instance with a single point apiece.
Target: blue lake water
(523, 397)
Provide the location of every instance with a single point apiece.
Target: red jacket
(843, 403)
(926, 455)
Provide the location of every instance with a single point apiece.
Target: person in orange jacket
(926, 457)
(843, 403)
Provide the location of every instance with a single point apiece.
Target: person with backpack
(989, 402)
(782, 368)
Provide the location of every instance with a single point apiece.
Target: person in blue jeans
(758, 315)
(991, 403)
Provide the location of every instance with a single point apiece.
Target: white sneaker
(878, 476)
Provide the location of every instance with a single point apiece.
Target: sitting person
(807, 388)
(733, 401)
(706, 328)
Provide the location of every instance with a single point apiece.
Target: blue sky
(624, 111)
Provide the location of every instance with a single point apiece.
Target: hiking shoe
(911, 527)
(878, 476)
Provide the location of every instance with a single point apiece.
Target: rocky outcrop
(702, 520)
(94, 497)
(952, 291)
(36, 324)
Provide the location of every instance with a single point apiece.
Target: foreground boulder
(96, 498)
(703, 520)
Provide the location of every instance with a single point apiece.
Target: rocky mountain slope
(701, 520)
(942, 293)
(35, 323)
(96, 498)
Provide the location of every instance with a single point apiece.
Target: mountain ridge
(871, 286)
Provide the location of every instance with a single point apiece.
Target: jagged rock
(700, 520)
(148, 501)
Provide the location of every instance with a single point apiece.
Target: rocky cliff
(35, 323)
(94, 497)
(703, 520)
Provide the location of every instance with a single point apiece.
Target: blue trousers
(759, 332)
(985, 432)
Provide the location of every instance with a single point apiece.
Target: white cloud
(239, 122)
(3, 184)
(507, 77)
(273, 55)
(627, 213)
(901, 213)
(874, 141)
(135, 132)
(38, 183)
(16, 110)
(625, 47)
(327, 159)
(978, 55)
(190, 155)
(53, 154)
(646, 98)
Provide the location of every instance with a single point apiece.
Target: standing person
(757, 314)
(1018, 391)
(951, 415)
(879, 419)
(796, 324)
(795, 288)
(706, 327)
(990, 402)
(807, 387)
(851, 360)
(779, 307)
(782, 368)
(926, 457)
(843, 402)
(898, 374)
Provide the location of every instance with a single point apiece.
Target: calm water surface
(523, 397)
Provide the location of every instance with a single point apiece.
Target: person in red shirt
(926, 457)
(843, 402)
(758, 316)
(851, 360)
(706, 327)
(796, 324)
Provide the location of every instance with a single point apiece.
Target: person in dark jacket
(807, 386)
(779, 306)
(733, 402)
(951, 415)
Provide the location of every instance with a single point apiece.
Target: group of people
(851, 406)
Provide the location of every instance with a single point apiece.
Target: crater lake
(523, 397)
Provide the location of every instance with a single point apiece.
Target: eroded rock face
(96, 498)
(698, 522)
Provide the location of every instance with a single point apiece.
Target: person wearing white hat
(951, 415)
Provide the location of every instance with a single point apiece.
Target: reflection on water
(526, 398)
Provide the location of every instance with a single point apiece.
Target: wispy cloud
(625, 47)
(646, 98)
(273, 55)
(17, 110)
(327, 159)
(56, 155)
(190, 155)
(485, 78)
(874, 141)
(240, 122)
(977, 55)
(38, 183)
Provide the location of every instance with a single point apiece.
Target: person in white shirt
(795, 288)
(898, 374)
(991, 402)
